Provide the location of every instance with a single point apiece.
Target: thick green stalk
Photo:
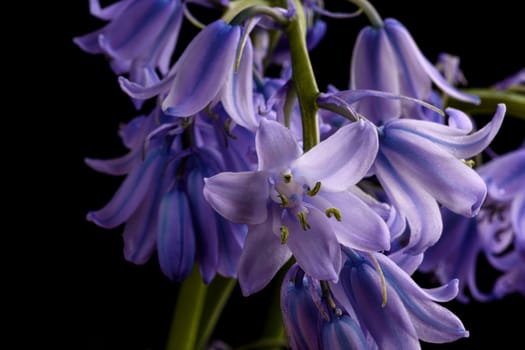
(218, 294)
(514, 101)
(188, 312)
(303, 78)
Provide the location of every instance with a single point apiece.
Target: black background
(91, 297)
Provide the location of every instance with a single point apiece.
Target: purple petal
(517, 214)
(433, 322)
(199, 79)
(412, 202)
(141, 92)
(418, 68)
(89, 42)
(374, 67)
(459, 120)
(341, 160)
(316, 250)
(343, 333)
(360, 227)
(239, 197)
(109, 12)
(175, 238)
(237, 93)
(505, 175)
(263, 255)
(130, 193)
(447, 179)
(276, 146)
(117, 166)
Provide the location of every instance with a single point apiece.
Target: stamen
(335, 212)
(383, 282)
(315, 190)
(284, 234)
(284, 199)
(227, 128)
(303, 221)
(470, 162)
(287, 178)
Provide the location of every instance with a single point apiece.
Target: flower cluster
(243, 173)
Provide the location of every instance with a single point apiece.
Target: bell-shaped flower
(420, 164)
(298, 204)
(388, 59)
(392, 308)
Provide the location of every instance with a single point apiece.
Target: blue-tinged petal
(205, 222)
(407, 262)
(459, 120)
(517, 217)
(276, 146)
(316, 250)
(140, 92)
(454, 141)
(231, 243)
(444, 293)
(175, 238)
(133, 31)
(389, 324)
(130, 193)
(412, 202)
(512, 281)
(132, 133)
(343, 333)
(374, 67)
(109, 12)
(164, 48)
(263, 255)
(141, 229)
(360, 227)
(239, 197)
(447, 179)
(203, 69)
(300, 315)
(416, 64)
(433, 322)
(116, 166)
(341, 160)
(505, 175)
(89, 42)
(237, 93)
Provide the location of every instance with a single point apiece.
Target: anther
(287, 178)
(335, 212)
(284, 200)
(470, 163)
(303, 221)
(284, 234)
(312, 192)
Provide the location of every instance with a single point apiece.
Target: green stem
(370, 12)
(303, 77)
(218, 294)
(188, 312)
(515, 102)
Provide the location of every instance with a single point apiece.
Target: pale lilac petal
(505, 175)
(316, 250)
(459, 119)
(418, 68)
(176, 236)
(276, 146)
(408, 262)
(341, 160)
(517, 214)
(141, 92)
(374, 67)
(412, 202)
(130, 193)
(89, 42)
(237, 93)
(199, 79)
(447, 179)
(433, 322)
(263, 255)
(454, 141)
(444, 293)
(360, 227)
(239, 197)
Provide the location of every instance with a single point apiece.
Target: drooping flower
(289, 200)
(391, 307)
(420, 164)
(388, 59)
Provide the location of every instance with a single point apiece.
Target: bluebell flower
(494, 234)
(139, 39)
(420, 164)
(298, 204)
(391, 307)
(515, 80)
(388, 59)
